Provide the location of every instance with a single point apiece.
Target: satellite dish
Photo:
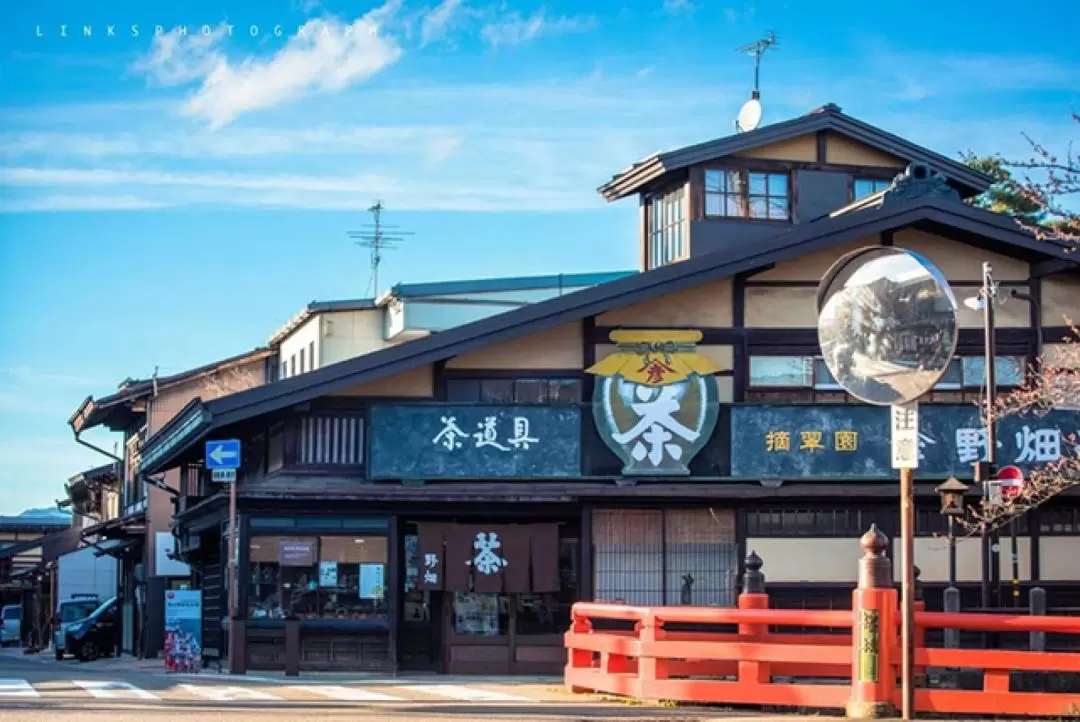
(749, 116)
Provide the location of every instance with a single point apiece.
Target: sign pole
(907, 612)
(233, 546)
(223, 459)
(904, 430)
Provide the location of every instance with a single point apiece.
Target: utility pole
(378, 237)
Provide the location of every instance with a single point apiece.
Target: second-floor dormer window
(747, 194)
(863, 187)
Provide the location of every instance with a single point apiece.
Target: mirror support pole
(907, 609)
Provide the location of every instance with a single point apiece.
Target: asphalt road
(40, 690)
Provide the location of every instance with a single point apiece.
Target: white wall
(83, 572)
(301, 339)
(348, 334)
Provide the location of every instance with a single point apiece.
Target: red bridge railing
(851, 659)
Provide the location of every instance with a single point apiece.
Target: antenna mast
(378, 237)
(757, 49)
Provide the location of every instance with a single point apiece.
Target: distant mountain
(48, 512)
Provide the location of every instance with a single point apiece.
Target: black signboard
(437, 441)
(821, 441)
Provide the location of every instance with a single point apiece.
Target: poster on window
(183, 630)
(371, 581)
(296, 553)
(476, 614)
(328, 574)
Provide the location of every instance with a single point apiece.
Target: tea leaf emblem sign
(656, 400)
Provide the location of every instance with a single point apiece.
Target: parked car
(70, 613)
(10, 625)
(96, 636)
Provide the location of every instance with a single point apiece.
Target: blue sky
(165, 201)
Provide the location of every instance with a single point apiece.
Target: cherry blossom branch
(1054, 383)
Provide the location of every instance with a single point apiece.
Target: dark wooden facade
(309, 477)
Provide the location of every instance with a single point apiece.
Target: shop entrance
(466, 612)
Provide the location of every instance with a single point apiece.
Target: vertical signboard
(183, 630)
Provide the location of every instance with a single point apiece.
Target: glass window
(1009, 370)
(311, 355)
(781, 371)
(325, 577)
(863, 187)
(303, 360)
(514, 391)
(747, 194)
(953, 378)
(481, 615)
(292, 365)
(823, 378)
(666, 228)
(496, 391)
(283, 373)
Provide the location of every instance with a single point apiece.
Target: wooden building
(134, 526)
(440, 504)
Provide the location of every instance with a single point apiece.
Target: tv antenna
(378, 237)
(750, 114)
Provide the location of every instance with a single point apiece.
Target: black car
(98, 635)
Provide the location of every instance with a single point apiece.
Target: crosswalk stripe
(229, 694)
(465, 694)
(348, 694)
(112, 690)
(17, 688)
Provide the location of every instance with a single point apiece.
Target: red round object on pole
(1012, 480)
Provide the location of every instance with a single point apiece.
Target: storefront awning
(115, 547)
(132, 525)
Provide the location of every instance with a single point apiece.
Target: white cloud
(315, 192)
(436, 23)
(422, 141)
(325, 56)
(679, 7)
(60, 203)
(515, 29)
(25, 374)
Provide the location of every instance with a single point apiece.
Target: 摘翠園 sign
(821, 441)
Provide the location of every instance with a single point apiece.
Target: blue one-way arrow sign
(223, 454)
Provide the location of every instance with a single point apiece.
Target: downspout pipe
(87, 444)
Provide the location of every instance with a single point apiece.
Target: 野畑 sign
(438, 441)
(848, 440)
(656, 402)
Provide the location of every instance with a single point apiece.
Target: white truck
(84, 579)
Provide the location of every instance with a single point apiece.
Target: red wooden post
(753, 597)
(874, 633)
(651, 669)
(577, 658)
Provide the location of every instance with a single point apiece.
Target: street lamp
(952, 506)
(984, 470)
(985, 301)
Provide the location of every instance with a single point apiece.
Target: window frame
(457, 389)
(814, 384)
(745, 196)
(856, 180)
(667, 239)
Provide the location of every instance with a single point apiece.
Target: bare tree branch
(231, 381)
(1057, 178)
(1053, 384)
